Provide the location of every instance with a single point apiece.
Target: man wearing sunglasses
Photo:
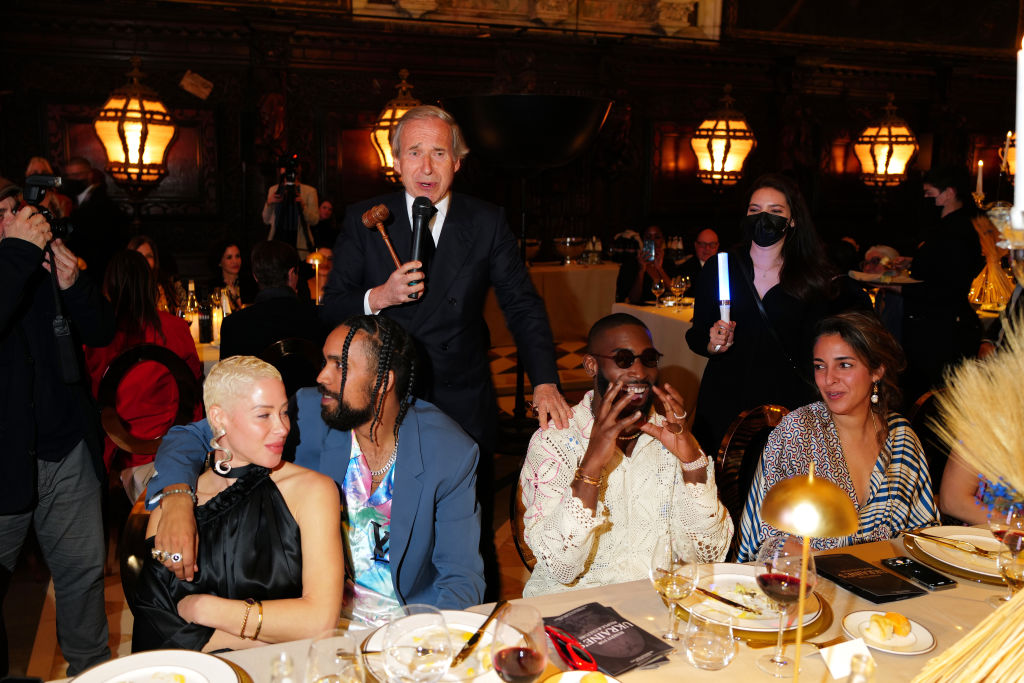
(600, 492)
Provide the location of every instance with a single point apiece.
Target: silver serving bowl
(570, 248)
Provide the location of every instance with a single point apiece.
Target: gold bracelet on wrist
(580, 476)
(249, 602)
(259, 621)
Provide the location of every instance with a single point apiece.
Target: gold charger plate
(818, 626)
(921, 556)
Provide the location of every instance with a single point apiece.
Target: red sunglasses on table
(571, 650)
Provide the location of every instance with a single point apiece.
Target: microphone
(422, 212)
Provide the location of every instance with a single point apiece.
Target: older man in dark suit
(474, 250)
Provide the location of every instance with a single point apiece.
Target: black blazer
(476, 251)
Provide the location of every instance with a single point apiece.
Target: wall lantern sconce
(386, 122)
(722, 143)
(136, 131)
(885, 149)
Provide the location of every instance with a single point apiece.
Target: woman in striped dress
(852, 436)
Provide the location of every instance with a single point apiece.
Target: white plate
(461, 625)
(578, 676)
(917, 642)
(724, 578)
(161, 666)
(958, 558)
(880, 279)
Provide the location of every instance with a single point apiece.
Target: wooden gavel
(374, 217)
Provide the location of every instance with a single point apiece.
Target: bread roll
(900, 624)
(879, 628)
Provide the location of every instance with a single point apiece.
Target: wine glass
(417, 647)
(657, 288)
(1007, 524)
(334, 658)
(779, 576)
(674, 575)
(519, 650)
(1011, 568)
(678, 285)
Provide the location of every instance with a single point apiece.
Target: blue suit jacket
(435, 521)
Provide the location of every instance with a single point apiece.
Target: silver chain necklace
(388, 464)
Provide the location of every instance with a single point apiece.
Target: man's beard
(344, 417)
(602, 387)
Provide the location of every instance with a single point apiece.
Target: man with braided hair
(406, 471)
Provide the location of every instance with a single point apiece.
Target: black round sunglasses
(624, 358)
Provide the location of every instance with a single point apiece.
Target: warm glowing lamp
(722, 143)
(136, 131)
(808, 507)
(1008, 156)
(885, 149)
(315, 259)
(386, 122)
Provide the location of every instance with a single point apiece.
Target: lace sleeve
(698, 514)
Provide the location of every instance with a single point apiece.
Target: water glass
(334, 658)
(709, 644)
(417, 647)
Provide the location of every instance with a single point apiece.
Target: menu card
(617, 644)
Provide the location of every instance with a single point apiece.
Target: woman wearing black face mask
(779, 280)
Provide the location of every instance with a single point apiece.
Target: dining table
(679, 366)
(209, 355)
(947, 614)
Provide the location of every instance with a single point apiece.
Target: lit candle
(1018, 188)
(1004, 166)
(977, 185)
(218, 318)
(724, 298)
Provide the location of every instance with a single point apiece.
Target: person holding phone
(651, 266)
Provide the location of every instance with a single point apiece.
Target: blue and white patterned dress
(900, 489)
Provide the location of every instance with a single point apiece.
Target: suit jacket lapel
(406, 494)
(453, 250)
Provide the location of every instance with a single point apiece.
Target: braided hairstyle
(392, 349)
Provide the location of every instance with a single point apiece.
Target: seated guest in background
(269, 533)
(644, 272)
(326, 231)
(230, 276)
(599, 493)
(704, 247)
(406, 471)
(60, 205)
(957, 493)
(147, 397)
(277, 313)
(170, 293)
(853, 437)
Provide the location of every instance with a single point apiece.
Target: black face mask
(764, 228)
(72, 188)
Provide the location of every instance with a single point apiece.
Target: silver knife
(962, 546)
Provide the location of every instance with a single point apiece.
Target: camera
(35, 189)
(290, 164)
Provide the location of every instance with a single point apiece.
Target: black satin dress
(249, 547)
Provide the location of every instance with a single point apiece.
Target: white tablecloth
(948, 614)
(575, 298)
(680, 367)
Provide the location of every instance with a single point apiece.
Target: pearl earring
(874, 394)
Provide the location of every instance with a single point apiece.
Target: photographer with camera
(51, 472)
(291, 208)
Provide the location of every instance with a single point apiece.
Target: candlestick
(724, 297)
(1016, 220)
(977, 186)
(1004, 166)
(218, 318)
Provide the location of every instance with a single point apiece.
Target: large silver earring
(221, 465)
(874, 394)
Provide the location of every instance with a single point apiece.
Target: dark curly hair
(806, 272)
(873, 345)
(391, 348)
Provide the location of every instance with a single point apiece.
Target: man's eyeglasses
(624, 358)
(571, 650)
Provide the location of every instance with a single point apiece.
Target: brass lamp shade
(386, 123)
(136, 131)
(811, 507)
(722, 144)
(885, 149)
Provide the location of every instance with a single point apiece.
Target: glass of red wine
(1006, 522)
(779, 576)
(519, 650)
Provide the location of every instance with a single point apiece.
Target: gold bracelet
(259, 621)
(249, 602)
(586, 480)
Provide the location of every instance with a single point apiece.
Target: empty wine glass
(709, 644)
(1011, 568)
(417, 647)
(678, 285)
(673, 575)
(657, 288)
(779, 576)
(519, 650)
(334, 658)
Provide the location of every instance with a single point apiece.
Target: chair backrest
(516, 511)
(298, 360)
(115, 427)
(921, 415)
(131, 546)
(739, 453)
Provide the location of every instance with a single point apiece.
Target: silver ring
(680, 417)
(176, 558)
(158, 555)
(717, 347)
